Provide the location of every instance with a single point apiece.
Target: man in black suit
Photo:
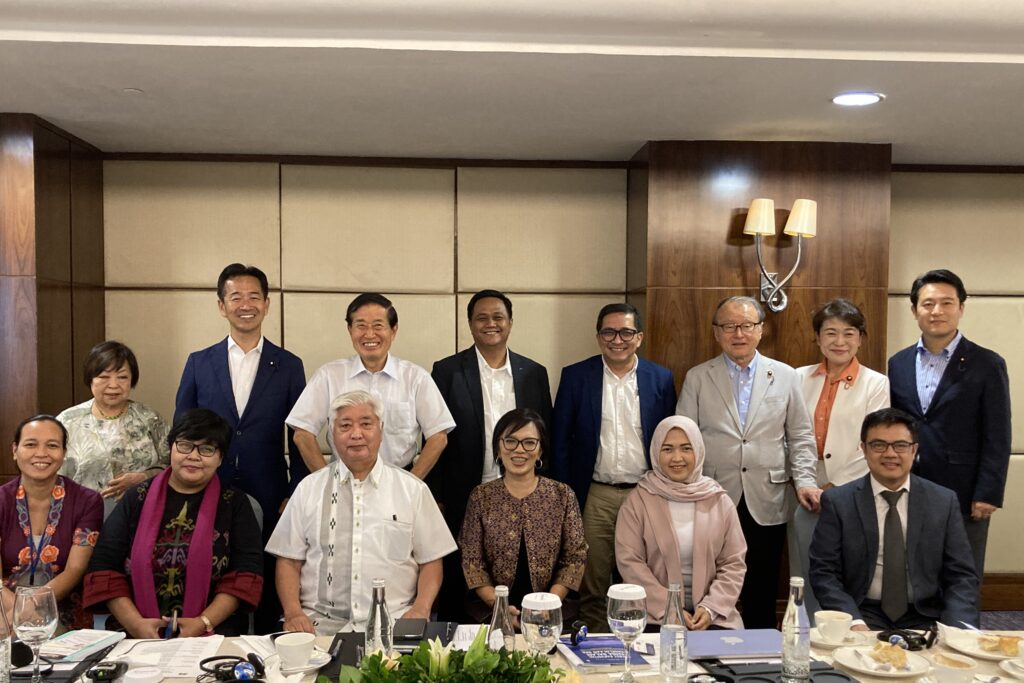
(959, 392)
(890, 548)
(479, 385)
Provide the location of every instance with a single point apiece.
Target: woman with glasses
(839, 393)
(179, 548)
(523, 530)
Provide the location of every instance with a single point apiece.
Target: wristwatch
(206, 622)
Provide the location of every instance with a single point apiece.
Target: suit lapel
(264, 372)
(954, 372)
(520, 385)
(595, 378)
(763, 378)
(865, 502)
(917, 511)
(220, 368)
(905, 376)
(471, 375)
(720, 377)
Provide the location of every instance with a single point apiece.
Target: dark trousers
(760, 584)
(977, 536)
(451, 599)
(876, 619)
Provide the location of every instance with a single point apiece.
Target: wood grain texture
(55, 381)
(86, 185)
(17, 196)
(88, 321)
(52, 205)
(17, 357)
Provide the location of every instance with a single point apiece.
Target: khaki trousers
(599, 515)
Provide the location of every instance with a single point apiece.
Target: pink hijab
(697, 486)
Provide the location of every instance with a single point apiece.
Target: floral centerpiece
(432, 662)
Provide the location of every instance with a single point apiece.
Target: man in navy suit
(252, 384)
(960, 394)
(605, 413)
(890, 548)
(479, 385)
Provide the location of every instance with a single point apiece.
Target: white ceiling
(523, 79)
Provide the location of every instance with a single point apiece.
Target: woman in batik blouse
(523, 530)
(48, 523)
(180, 544)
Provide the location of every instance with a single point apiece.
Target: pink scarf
(199, 556)
(697, 486)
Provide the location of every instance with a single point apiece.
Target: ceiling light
(857, 99)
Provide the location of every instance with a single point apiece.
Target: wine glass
(35, 620)
(541, 620)
(627, 616)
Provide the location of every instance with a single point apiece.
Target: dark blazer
(844, 550)
(460, 467)
(255, 462)
(965, 435)
(577, 426)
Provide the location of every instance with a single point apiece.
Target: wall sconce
(802, 222)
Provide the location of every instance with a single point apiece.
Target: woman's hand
(147, 628)
(191, 627)
(700, 620)
(513, 612)
(118, 485)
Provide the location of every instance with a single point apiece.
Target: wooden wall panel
(17, 358)
(88, 322)
(55, 382)
(86, 184)
(53, 206)
(17, 197)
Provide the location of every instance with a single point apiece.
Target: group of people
(618, 479)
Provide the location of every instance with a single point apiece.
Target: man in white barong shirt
(357, 520)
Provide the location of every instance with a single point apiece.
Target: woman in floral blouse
(115, 443)
(48, 523)
(523, 531)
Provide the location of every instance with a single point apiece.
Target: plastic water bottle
(501, 633)
(796, 636)
(379, 627)
(673, 638)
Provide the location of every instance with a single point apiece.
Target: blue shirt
(930, 367)
(742, 383)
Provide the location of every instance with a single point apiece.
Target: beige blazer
(843, 458)
(647, 554)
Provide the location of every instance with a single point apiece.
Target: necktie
(894, 561)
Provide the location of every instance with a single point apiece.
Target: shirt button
(828, 455)
(238, 433)
(743, 469)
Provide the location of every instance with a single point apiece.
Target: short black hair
(886, 417)
(628, 309)
(513, 421)
(934, 277)
(841, 309)
(42, 417)
(488, 294)
(368, 298)
(109, 355)
(241, 270)
(201, 424)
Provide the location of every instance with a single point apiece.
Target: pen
(172, 625)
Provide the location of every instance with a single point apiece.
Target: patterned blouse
(549, 522)
(99, 450)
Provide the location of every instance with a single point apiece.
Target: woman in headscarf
(678, 526)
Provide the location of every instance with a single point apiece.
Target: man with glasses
(960, 394)
(758, 435)
(606, 410)
(890, 548)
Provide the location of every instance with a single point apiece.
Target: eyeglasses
(900, 447)
(729, 328)
(625, 334)
(511, 443)
(185, 447)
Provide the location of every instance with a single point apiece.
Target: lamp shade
(760, 218)
(803, 219)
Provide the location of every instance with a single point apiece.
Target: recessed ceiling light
(132, 91)
(858, 99)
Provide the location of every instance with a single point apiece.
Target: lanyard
(52, 520)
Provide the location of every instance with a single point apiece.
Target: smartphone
(409, 629)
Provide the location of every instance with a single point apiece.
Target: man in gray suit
(758, 435)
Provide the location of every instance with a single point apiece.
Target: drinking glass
(35, 620)
(541, 620)
(627, 616)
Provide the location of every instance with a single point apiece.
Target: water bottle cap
(796, 581)
(501, 591)
(627, 591)
(378, 583)
(542, 601)
(673, 586)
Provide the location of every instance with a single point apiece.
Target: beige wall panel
(1005, 552)
(938, 218)
(549, 230)
(368, 229)
(553, 329)
(178, 224)
(995, 323)
(162, 328)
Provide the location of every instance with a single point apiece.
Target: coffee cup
(294, 649)
(833, 626)
(950, 668)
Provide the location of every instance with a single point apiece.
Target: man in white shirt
(890, 548)
(354, 521)
(413, 407)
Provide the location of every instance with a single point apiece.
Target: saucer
(1014, 667)
(318, 659)
(852, 638)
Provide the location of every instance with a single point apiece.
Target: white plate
(916, 664)
(852, 638)
(968, 644)
(1008, 665)
(318, 659)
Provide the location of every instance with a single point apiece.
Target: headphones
(231, 668)
(577, 632)
(908, 639)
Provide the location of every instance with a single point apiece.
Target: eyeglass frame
(900, 447)
(745, 328)
(626, 334)
(197, 447)
(519, 442)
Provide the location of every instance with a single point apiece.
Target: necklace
(109, 417)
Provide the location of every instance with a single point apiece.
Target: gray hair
(744, 300)
(357, 398)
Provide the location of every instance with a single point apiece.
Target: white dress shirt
(620, 455)
(499, 398)
(882, 509)
(243, 366)
(383, 527)
(413, 406)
